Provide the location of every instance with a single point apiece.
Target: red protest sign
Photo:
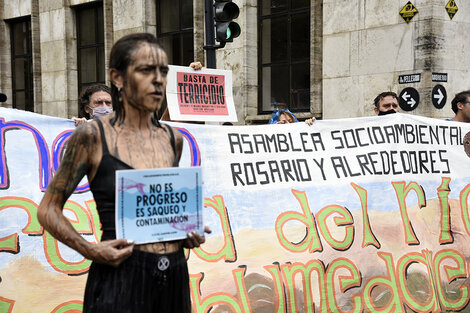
(201, 94)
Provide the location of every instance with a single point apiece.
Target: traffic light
(224, 12)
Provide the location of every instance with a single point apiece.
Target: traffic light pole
(210, 46)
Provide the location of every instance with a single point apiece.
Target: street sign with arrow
(439, 96)
(408, 99)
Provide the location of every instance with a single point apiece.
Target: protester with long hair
(124, 277)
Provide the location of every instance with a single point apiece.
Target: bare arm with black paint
(78, 161)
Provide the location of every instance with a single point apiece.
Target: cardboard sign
(155, 205)
(204, 95)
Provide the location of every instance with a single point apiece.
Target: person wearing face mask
(95, 101)
(386, 103)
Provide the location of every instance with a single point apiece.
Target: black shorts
(145, 282)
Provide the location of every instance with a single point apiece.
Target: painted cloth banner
(351, 215)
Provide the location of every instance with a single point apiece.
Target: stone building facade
(322, 58)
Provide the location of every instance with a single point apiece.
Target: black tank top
(103, 185)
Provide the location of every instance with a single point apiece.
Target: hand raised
(79, 121)
(310, 121)
(196, 65)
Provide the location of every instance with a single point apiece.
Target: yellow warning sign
(408, 11)
(451, 8)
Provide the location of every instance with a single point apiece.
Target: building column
(36, 55)
(53, 43)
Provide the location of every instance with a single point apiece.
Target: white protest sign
(203, 95)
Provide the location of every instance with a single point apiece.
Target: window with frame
(22, 64)
(90, 45)
(175, 30)
(284, 55)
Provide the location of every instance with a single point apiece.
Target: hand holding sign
(194, 240)
(111, 252)
(196, 65)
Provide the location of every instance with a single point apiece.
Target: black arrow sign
(408, 99)
(439, 96)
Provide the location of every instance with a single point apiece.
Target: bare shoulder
(85, 133)
(88, 128)
(176, 133)
(83, 145)
(178, 140)
(76, 162)
(179, 144)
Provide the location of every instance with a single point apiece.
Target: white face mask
(101, 111)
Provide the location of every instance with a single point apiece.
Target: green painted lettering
(227, 252)
(311, 242)
(402, 192)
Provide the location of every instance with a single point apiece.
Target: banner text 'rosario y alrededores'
(407, 160)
